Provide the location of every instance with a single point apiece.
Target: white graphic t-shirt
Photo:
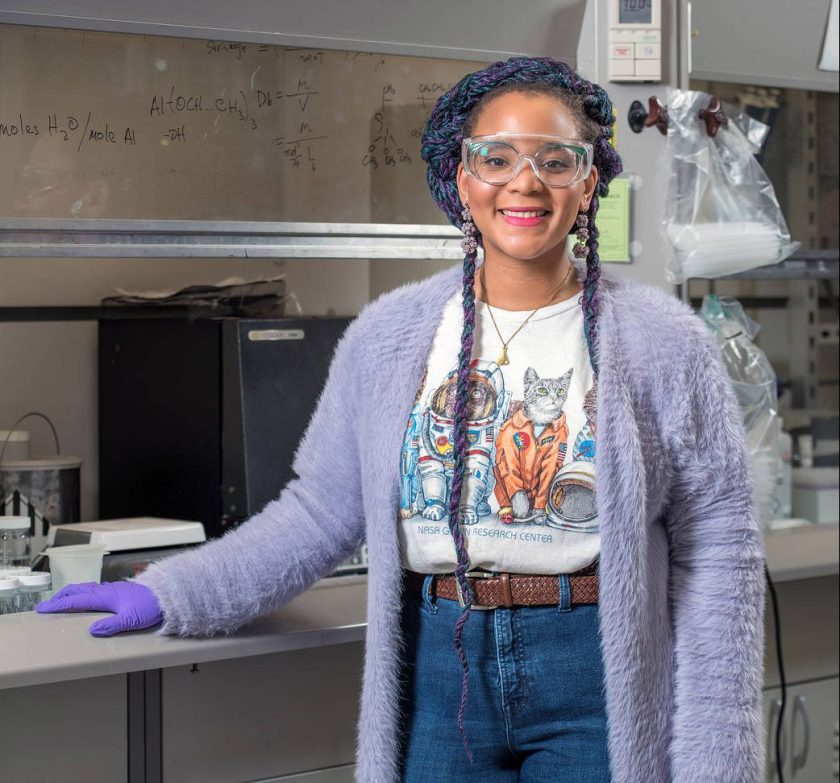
(528, 498)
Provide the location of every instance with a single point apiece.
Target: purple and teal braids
(453, 118)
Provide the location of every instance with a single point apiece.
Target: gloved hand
(135, 605)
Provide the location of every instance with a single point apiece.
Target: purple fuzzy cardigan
(681, 564)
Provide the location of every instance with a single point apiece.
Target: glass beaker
(8, 596)
(32, 589)
(15, 541)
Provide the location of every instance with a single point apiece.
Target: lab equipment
(754, 383)
(782, 507)
(214, 409)
(78, 563)
(720, 213)
(816, 494)
(32, 589)
(8, 595)
(46, 489)
(497, 158)
(635, 40)
(15, 541)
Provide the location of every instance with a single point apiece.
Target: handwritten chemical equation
(384, 148)
(72, 129)
(172, 113)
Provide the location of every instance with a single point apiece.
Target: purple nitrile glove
(135, 605)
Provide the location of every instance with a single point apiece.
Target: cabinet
(809, 741)
(783, 51)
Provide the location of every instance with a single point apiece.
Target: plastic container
(15, 541)
(806, 451)
(8, 595)
(76, 563)
(16, 444)
(32, 589)
(782, 496)
(12, 572)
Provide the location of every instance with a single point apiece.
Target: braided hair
(453, 118)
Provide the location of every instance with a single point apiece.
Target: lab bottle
(786, 472)
(8, 596)
(15, 541)
(32, 589)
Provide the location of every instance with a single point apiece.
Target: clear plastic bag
(754, 382)
(720, 214)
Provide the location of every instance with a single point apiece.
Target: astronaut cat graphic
(531, 448)
(429, 445)
(571, 497)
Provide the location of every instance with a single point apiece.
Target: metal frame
(804, 269)
(145, 727)
(68, 238)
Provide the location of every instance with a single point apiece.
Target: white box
(818, 505)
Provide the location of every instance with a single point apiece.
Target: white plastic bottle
(784, 481)
(806, 451)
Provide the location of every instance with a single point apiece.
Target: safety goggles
(496, 160)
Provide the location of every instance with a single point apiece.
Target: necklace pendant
(503, 357)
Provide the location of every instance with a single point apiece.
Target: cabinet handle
(799, 760)
(775, 709)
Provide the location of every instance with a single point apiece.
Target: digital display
(635, 11)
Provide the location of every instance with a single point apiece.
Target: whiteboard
(115, 125)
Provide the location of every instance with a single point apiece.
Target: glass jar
(15, 541)
(8, 595)
(32, 589)
(10, 572)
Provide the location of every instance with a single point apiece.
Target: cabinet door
(809, 738)
(264, 717)
(783, 51)
(813, 731)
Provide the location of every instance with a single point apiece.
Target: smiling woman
(642, 600)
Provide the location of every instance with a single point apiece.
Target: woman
(628, 640)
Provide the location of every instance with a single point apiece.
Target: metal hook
(657, 115)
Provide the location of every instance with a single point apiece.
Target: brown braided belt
(491, 591)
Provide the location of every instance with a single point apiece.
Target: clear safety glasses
(496, 159)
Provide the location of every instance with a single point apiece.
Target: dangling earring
(469, 243)
(581, 249)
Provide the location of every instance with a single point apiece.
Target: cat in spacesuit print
(531, 448)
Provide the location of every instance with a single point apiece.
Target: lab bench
(278, 701)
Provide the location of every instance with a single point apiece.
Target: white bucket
(76, 563)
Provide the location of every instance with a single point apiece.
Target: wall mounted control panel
(635, 41)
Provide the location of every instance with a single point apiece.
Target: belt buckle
(476, 575)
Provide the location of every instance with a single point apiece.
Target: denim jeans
(535, 712)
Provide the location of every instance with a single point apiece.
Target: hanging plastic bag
(754, 382)
(720, 214)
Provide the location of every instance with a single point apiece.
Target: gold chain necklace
(503, 356)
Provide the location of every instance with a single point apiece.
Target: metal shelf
(803, 265)
(67, 238)
(803, 270)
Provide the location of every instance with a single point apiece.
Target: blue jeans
(535, 712)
